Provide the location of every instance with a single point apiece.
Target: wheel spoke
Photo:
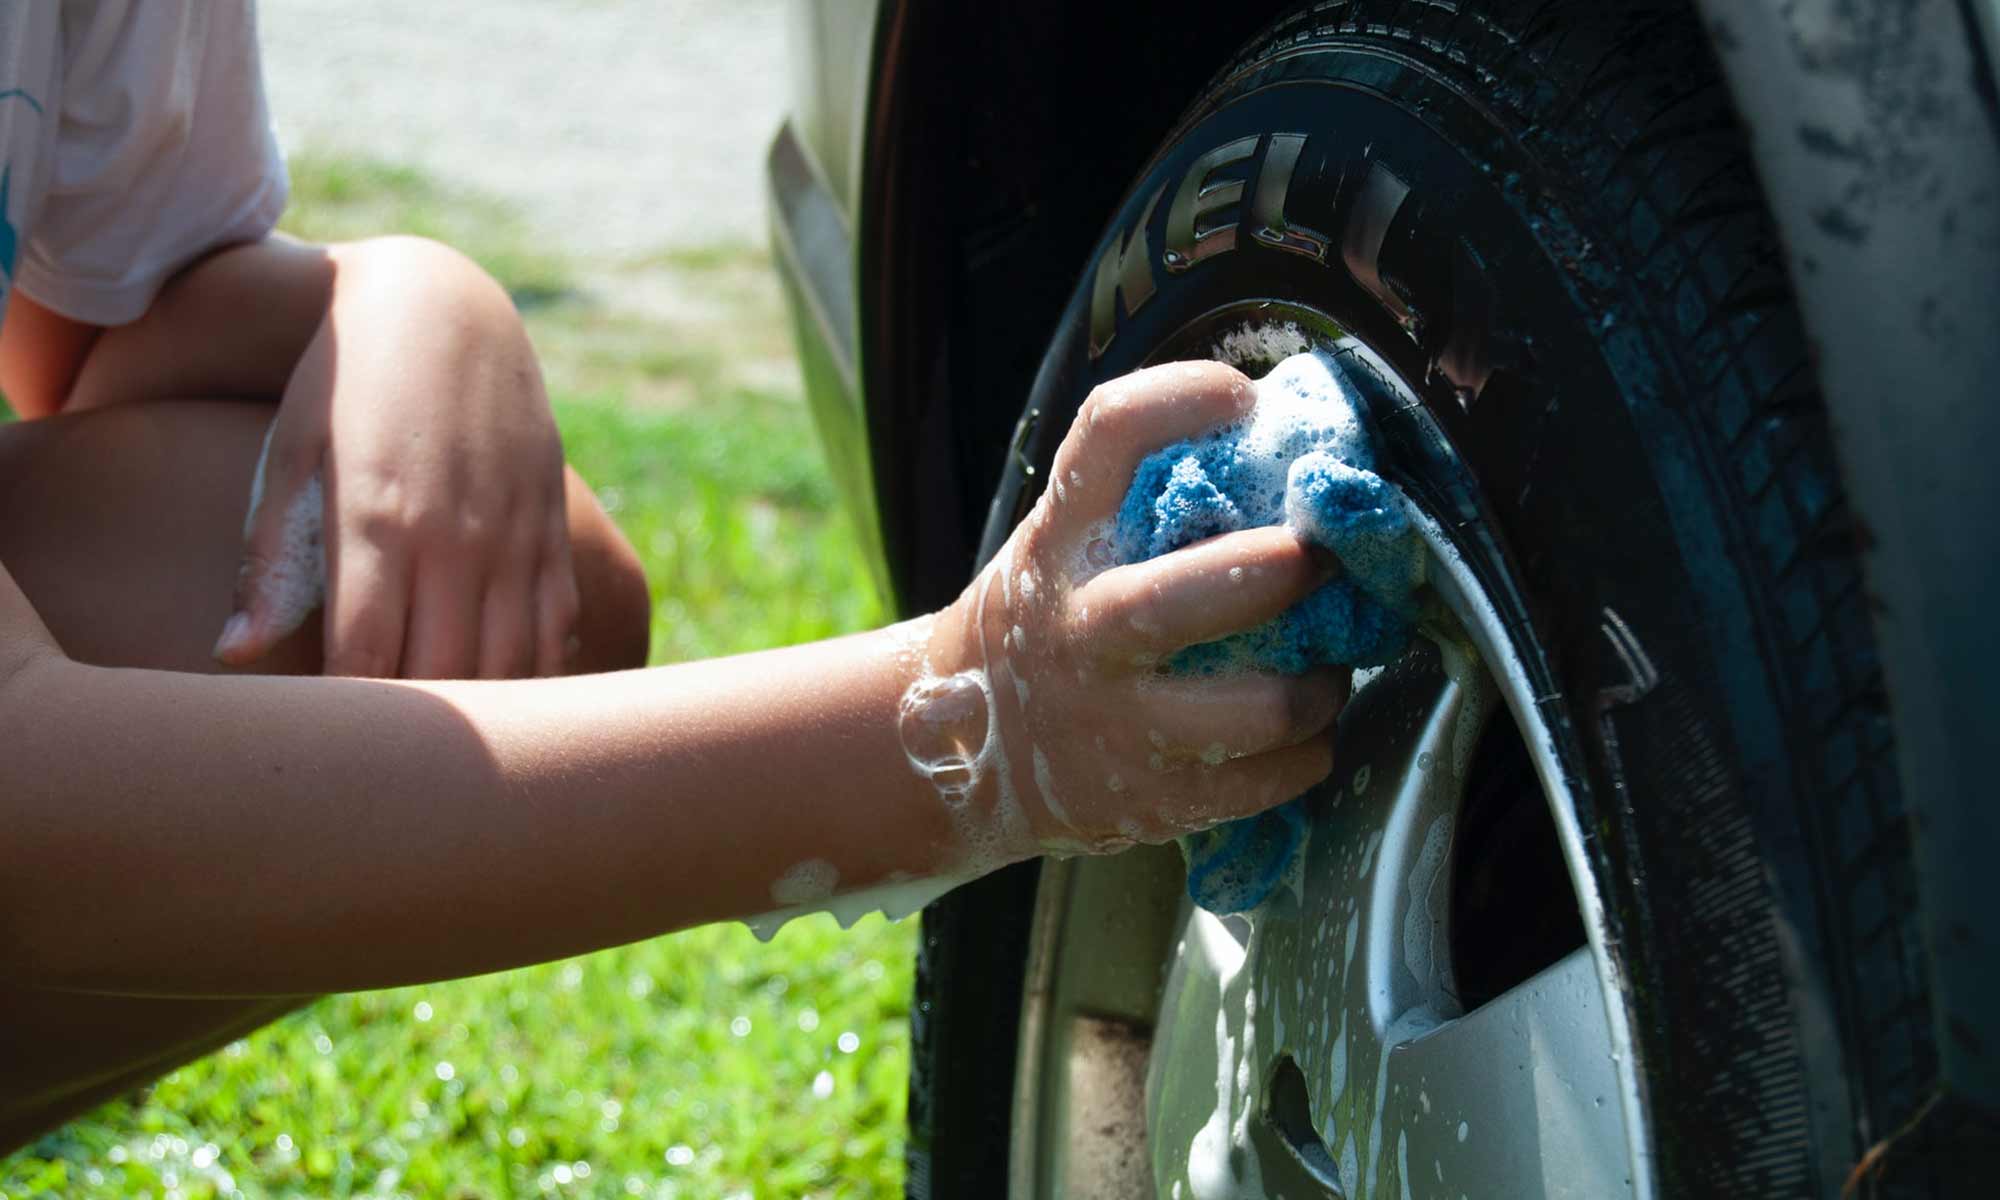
(1519, 1097)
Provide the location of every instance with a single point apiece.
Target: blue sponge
(1304, 458)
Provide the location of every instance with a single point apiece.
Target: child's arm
(248, 836)
(408, 385)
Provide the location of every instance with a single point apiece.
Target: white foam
(1255, 346)
(1045, 784)
(895, 898)
(1420, 919)
(293, 582)
(1097, 554)
(806, 883)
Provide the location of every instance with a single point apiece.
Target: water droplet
(823, 1084)
(422, 1011)
(848, 1042)
(679, 1156)
(740, 1027)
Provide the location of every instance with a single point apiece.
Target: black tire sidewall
(1585, 497)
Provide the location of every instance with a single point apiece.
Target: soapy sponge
(1303, 458)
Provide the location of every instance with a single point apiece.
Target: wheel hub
(1321, 1047)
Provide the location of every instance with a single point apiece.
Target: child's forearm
(321, 835)
(234, 835)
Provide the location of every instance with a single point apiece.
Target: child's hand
(419, 405)
(1043, 720)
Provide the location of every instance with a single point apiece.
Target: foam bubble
(945, 725)
(805, 883)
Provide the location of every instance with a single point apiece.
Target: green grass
(623, 1073)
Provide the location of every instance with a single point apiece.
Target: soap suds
(1422, 919)
(895, 898)
(807, 883)
(1045, 784)
(293, 583)
(1254, 347)
(1303, 457)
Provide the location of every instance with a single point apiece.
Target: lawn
(706, 1064)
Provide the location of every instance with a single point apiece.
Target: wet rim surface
(1326, 1045)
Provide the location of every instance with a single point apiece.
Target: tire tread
(1675, 185)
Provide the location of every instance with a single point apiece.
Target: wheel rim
(1324, 1045)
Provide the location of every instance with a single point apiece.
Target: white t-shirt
(134, 137)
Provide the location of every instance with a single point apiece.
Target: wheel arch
(998, 139)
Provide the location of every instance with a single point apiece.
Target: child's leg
(124, 526)
(68, 1053)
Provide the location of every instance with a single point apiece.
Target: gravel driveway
(617, 126)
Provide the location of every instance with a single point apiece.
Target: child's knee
(615, 611)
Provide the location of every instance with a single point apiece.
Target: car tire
(1543, 217)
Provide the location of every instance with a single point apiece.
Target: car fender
(1875, 132)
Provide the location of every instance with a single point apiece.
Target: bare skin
(129, 560)
(125, 527)
(261, 839)
(406, 382)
